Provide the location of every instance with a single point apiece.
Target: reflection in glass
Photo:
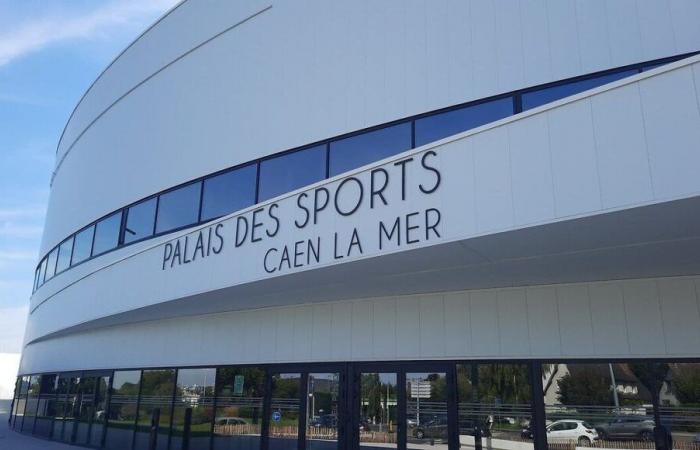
(107, 234)
(194, 391)
(229, 192)
(378, 410)
(290, 171)
(178, 208)
(426, 410)
(46, 407)
(20, 404)
(65, 251)
(284, 420)
(356, 151)
(67, 395)
(99, 411)
(83, 245)
(85, 408)
(679, 400)
(494, 405)
(139, 221)
(155, 401)
(547, 95)
(239, 407)
(587, 403)
(32, 402)
(51, 264)
(322, 411)
(438, 126)
(122, 409)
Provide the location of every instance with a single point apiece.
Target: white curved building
(313, 225)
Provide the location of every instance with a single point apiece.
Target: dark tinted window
(356, 151)
(51, 264)
(122, 409)
(64, 253)
(291, 171)
(42, 272)
(139, 221)
(178, 208)
(432, 128)
(543, 96)
(229, 192)
(82, 245)
(107, 233)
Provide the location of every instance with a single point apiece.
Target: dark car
(627, 428)
(325, 421)
(434, 429)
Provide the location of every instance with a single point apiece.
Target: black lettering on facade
(219, 237)
(438, 177)
(335, 247)
(167, 253)
(199, 247)
(318, 208)
(267, 268)
(285, 258)
(303, 208)
(241, 223)
(354, 242)
(176, 254)
(316, 251)
(410, 228)
(396, 228)
(432, 225)
(403, 163)
(275, 218)
(374, 191)
(256, 225)
(184, 253)
(359, 197)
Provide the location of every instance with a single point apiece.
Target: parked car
(628, 428)
(230, 421)
(434, 429)
(325, 421)
(568, 430)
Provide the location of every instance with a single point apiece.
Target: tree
(685, 383)
(585, 387)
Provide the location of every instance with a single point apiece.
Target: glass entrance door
(377, 410)
(404, 407)
(426, 410)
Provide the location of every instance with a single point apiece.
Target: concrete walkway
(11, 440)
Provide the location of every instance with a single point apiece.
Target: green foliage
(685, 383)
(586, 386)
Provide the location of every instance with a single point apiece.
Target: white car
(577, 431)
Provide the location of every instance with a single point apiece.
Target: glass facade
(290, 171)
(140, 221)
(361, 149)
(65, 252)
(229, 192)
(178, 208)
(640, 404)
(240, 187)
(107, 234)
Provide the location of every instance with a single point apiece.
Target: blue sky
(50, 53)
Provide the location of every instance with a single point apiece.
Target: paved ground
(11, 440)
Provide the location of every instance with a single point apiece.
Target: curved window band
(195, 202)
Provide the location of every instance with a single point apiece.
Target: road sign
(420, 389)
(238, 381)
(276, 416)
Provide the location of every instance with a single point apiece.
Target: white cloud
(12, 322)
(9, 364)
(34, 35)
